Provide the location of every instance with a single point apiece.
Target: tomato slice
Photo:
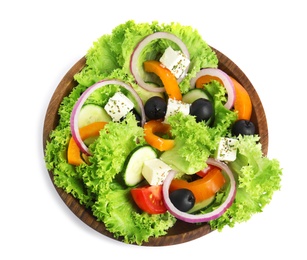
(149, 199)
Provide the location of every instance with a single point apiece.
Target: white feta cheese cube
(175, 61)
(155, 171)
(227, 150)
(175, 106)
(118, 106)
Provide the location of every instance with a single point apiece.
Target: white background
(41, 40)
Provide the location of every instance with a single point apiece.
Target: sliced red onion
(138, 50)
(76, 110)
(191, 218)
(227, 82)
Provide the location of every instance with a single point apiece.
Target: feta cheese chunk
(227, 150)
(175, 106)
(155, 171)
(118, 106)
(175, 61)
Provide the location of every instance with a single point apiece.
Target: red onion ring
(227, 82)
(138, 49)
(76, 110)
(190, 218)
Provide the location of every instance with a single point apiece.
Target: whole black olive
(243, 127)
(155, 107)
(202, 109)
(183, 199)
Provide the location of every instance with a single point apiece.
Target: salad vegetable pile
(154, 132)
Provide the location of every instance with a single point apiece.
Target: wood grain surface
(181, 232)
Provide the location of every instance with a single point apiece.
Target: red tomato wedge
(149, 199)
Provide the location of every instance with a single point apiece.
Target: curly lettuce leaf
(113, 51)
(121, 217)
(109, 152)
(195, 142)
(113, 204)
(258, 178)
(98, 185)
(65, 175)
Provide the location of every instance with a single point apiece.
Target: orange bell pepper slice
(151, 128)
(243, 103)
(167, 77)
(73, 152)
(206, 79)
(203, 188)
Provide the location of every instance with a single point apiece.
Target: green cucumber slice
(144, 95)
(194, 94)
(92, 113)
(202, 204)
(134, 163)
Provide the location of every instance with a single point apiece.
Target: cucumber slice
(92, 113)
(202, 204)
(90, 140)
(134, 164)
(144, 95)
(194, 94)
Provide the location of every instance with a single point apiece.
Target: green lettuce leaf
(195, 142)
(121, 217)
(65, 175)
(109, 152)
(258, 178)
(113, 203)
(113, 51)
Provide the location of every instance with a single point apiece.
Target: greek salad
(154, 132)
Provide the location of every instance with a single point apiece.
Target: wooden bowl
(181, 232)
